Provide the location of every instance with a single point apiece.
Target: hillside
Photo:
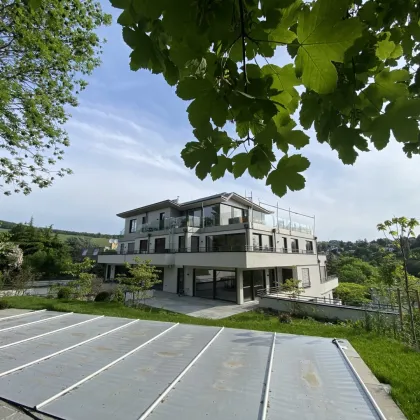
(100, 239)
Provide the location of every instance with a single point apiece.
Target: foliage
(352, 270)
(285, 318)
(11, 256)
(65, 292)
(42, 249)
(352, 293)
(399, 229)
(44, 53)
(76, 245)
(103, 297)
(142, 276)
(4, 304)
(344, 78)
(82, 285)
(118, 295)
(292, 288)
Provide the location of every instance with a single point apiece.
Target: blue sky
(126, 137)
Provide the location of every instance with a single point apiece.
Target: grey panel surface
(311, 380)
(127, 389)
(33, 330)
(21, 354)
(20, 321)
(45, 379)
(226, 382)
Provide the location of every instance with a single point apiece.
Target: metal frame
(360, 381)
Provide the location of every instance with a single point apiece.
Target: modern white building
(220, 247)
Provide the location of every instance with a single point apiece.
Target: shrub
(285, 318)
(64, 292)
(4, 304)
(118, 296)
(103, 297)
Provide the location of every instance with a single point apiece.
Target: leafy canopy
(343, 80)
(46, 48)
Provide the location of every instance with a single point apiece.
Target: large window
(133, 225)
(226, 243)
(309, 247)
(231, 215)
(306, 281)
(143, 246)
(258, 217)
(194, 217)
(130, 249)
(284, 244)
(295, 245)
(215, 284)
(211, 215)
(195, 243)
(160, 245)
(181, 243)
(262, 242)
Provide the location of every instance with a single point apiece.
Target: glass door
(195, 243)
(180, 281)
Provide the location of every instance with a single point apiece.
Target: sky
(126, 138)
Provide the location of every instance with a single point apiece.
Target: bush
(64, 293)
(4, 304)
(118, 296)
(285, 318)
(103, 297)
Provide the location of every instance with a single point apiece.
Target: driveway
(198, 307)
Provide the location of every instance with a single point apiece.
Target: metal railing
(222, 248)
(281, 293)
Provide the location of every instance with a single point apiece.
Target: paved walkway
(198, 307)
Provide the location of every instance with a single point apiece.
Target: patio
(198, 307)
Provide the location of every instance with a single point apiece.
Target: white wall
(188, 281)
(170, 279)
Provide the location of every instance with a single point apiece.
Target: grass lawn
(389, 360)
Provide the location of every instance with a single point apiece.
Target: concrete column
(112, 273)
(239, 286)
(188, 281)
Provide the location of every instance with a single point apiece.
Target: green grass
(390, 361)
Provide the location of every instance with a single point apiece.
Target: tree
(83, 283)
(141, 277)
(344, 78)
(400, 229)
(42, 249)
(45, 50)
(352, 270)
(352, 294)
(76, 246)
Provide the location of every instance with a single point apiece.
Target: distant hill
(101, 239)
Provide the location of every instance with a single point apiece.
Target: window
(122, 248)
(306, 281)
(285, 244)
(258, 217)
(220, 243)
(143, 246)
(143, 220)
(295, 245)
(133, 225)
(160, 245)
(195, 243)
(309, 247)
(130, 249)
(262, 242)
(211, 215)
(181, 243)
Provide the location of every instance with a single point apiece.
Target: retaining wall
(320, 310)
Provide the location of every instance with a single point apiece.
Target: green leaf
(126, 18)
(242, 128)
(297, 138)
(405, 130)
(241, 162)
(210, 105)
(380, 132)
(260, 161)
(223, 164)
(391, 84)
(324, 37)
(309, 110)
(121, 4)
(191, 88)
(283, 80)
(171, 73)
(201, 155)
(287, 176)
(130, 37)
(345, 140)
(151, 9)
(388, 49)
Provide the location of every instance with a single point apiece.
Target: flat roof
(212, 199)
(76, 366)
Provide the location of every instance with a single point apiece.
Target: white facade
(220, 247)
